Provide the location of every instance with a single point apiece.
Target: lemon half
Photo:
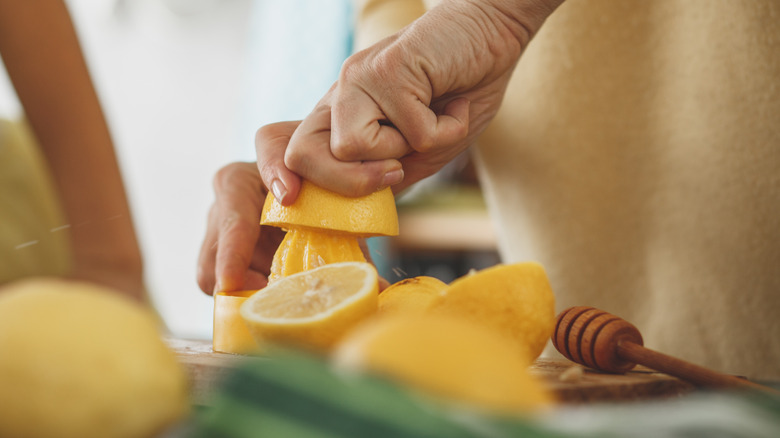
(411, 296)
(447, 357)
(513, 299)
(371, 215)
(314, 308)
(324, 227)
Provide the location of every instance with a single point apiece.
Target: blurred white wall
(184, 85)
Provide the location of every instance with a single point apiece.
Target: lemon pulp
(308, 248)
(313, 308)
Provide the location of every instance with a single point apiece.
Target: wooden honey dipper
(604, 342)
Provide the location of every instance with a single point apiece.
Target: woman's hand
(237, 251)
(409, 104)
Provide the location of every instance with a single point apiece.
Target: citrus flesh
(513, 299)
(318, 208)
(451, 358)
(324, 227)
(306, 248)
(315, 308)
(411, 296)
(79, 360)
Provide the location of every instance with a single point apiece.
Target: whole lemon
(411, 296)
(446, 356)
(514, 299)
(80, 360)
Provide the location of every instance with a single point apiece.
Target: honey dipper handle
(695, 374)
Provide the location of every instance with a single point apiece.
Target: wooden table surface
(569, 381)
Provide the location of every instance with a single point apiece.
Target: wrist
(522, 18)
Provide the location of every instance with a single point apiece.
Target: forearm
(522, 18)
(378, 19)
(46, 66)
(409, 103)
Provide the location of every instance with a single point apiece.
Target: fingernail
(279, 190)
(392, 177)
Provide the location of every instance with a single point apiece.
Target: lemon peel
(411, 296)
(82, 361)
(513, 299)
(449, 358)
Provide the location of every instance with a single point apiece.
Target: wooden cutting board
(572, 383)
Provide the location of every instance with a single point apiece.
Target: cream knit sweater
(637, 157)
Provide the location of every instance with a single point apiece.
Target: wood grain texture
(206, 368)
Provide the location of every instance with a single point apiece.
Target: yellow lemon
(450, 358)
(81, 361)
(303, 249)
(314, 308)
(318, 208)
(231, 334)
(324, 227)
(411, 296)
(514, 299)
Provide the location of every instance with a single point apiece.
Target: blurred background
(185, 84)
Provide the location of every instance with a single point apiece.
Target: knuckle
(236, 258)
(233, 222)
(422, 141)
(227, 221)
(367, 67)
(347, 147)
(267, 173)
(266, 170)
(226, 175)
(262, 133)
(386, 64)
(352, 69)
(364, 184)
(269, 131)
(296, 160)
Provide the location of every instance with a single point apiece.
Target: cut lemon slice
(314, 308)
